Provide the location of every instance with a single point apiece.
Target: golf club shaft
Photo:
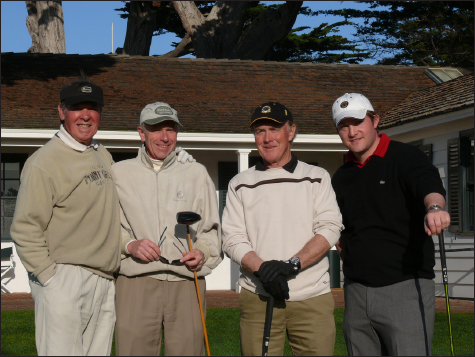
(199, 297)
(445, 280)
(267, 325)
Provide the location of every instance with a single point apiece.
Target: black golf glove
(278, 288)
(270, 269)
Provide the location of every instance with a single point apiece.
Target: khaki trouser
(145, 304)
(309, 323)
(74, 313)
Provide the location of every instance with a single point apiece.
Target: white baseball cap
(157, 112)
(351, 105)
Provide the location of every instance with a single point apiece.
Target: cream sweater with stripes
(275, 213)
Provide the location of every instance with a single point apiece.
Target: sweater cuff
(125, 240)
(47, 274)
(240, 251)
(330, 236)
(204, 248)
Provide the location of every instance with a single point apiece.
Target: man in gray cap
(155, 286)
(67, 232)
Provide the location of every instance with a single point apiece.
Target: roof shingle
(446, 97)
(210, 95)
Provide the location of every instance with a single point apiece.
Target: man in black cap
(281, 218)
(67, 230)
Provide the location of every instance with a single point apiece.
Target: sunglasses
(165, 260)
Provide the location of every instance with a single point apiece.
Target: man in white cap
(392, 201)
(155, 286)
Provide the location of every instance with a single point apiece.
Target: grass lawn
(18, 337)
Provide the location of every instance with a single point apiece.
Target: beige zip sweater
(149, 202)
(275, 213)
(67, 211)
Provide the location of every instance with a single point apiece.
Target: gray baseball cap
(157, 112)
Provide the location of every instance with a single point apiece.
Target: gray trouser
(74, 313)
(394, 320)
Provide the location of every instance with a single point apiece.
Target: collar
(147, 160)
(380, 151)
(290, 166)
(73, 143)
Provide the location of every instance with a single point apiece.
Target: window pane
(11, 188)
(12, 170)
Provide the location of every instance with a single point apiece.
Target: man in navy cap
(280, 220)
(67, 230)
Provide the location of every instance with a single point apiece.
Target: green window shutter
(453, 191)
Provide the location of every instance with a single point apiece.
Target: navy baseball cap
(272, 111)
(82, 91)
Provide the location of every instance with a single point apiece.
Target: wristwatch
(295, 261)
(436, 207)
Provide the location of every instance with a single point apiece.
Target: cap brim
(157, 120)
(357, 114)
(83, 98)
(267, 118)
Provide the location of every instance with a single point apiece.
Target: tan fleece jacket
(149, 202)
(275, 213)
(67, 211)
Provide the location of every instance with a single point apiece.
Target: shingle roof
(209, 95)
(443, 98)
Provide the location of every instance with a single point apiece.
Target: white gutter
(198, 141)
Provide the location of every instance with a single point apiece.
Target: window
(11, 167)
(426, 149)
(460, 182)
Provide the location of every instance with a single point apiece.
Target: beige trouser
(310, 325)
(145, 304)
(74, 313)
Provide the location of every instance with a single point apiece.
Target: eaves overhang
(130, 140)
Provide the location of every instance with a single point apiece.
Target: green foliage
(18, 333)
(423, 33)
(321, 45)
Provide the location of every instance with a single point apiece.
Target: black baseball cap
(272, 111)
(82, 91)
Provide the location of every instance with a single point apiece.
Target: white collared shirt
(73, 143)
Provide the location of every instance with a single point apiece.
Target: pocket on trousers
(54, 277)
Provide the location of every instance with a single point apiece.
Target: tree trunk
(45, 24)
(267, 29)
(220, 35)
(140, 26)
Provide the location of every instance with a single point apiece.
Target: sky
(88, 26)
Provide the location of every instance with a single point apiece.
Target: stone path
(228, 298)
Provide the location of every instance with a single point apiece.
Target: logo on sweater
(99, 176)
(382, 182)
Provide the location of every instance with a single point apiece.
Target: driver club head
(187, 218)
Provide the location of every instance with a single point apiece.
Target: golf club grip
(267, 325)
(445, 280)
(443, 261)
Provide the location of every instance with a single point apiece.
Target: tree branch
(191, 17)
(183, 48)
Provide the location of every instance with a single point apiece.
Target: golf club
(267, 325)
(445, 280)
(188, 218)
